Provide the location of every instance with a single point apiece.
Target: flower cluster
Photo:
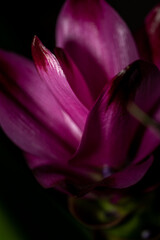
(69, 111)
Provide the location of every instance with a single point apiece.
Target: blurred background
(27, 211)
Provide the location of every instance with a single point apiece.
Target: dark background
(38, 213)
(23, 20)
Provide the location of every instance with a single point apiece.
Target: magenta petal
(74, 77)
(130, 175)
(143, 45)
(150, 140)
(47, 180)
(97, 39)
(51, 173)
(27, 111)
(152, 26)
(112, 137)
(52, 74)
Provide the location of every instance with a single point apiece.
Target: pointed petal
(112, 137)
(97, 39)
(27, 111)
(53, 75)
(152, 26)
(74, 77)
(130, 175)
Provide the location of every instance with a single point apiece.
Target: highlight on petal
(52, 74)
(113, 138)
(97, 39)
(152, 27)
(29, 114)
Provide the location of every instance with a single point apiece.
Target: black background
(25, 20)
(39, 213)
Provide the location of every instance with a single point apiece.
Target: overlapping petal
(52, 74)
(97, 39)
(72, 117)
(112, 137)
(63, 177)
(46, 179)
(74, 77)
(129, 175)
(143, 45)
(152, 27)
(29, 113)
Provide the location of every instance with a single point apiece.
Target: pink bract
(68, 111)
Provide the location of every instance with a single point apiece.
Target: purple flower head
(68, 111)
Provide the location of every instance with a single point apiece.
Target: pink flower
(70, 114)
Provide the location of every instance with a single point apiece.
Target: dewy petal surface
(29, 114)
(152, 27)
(52, 74)
(112, 137)
(97, 39)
